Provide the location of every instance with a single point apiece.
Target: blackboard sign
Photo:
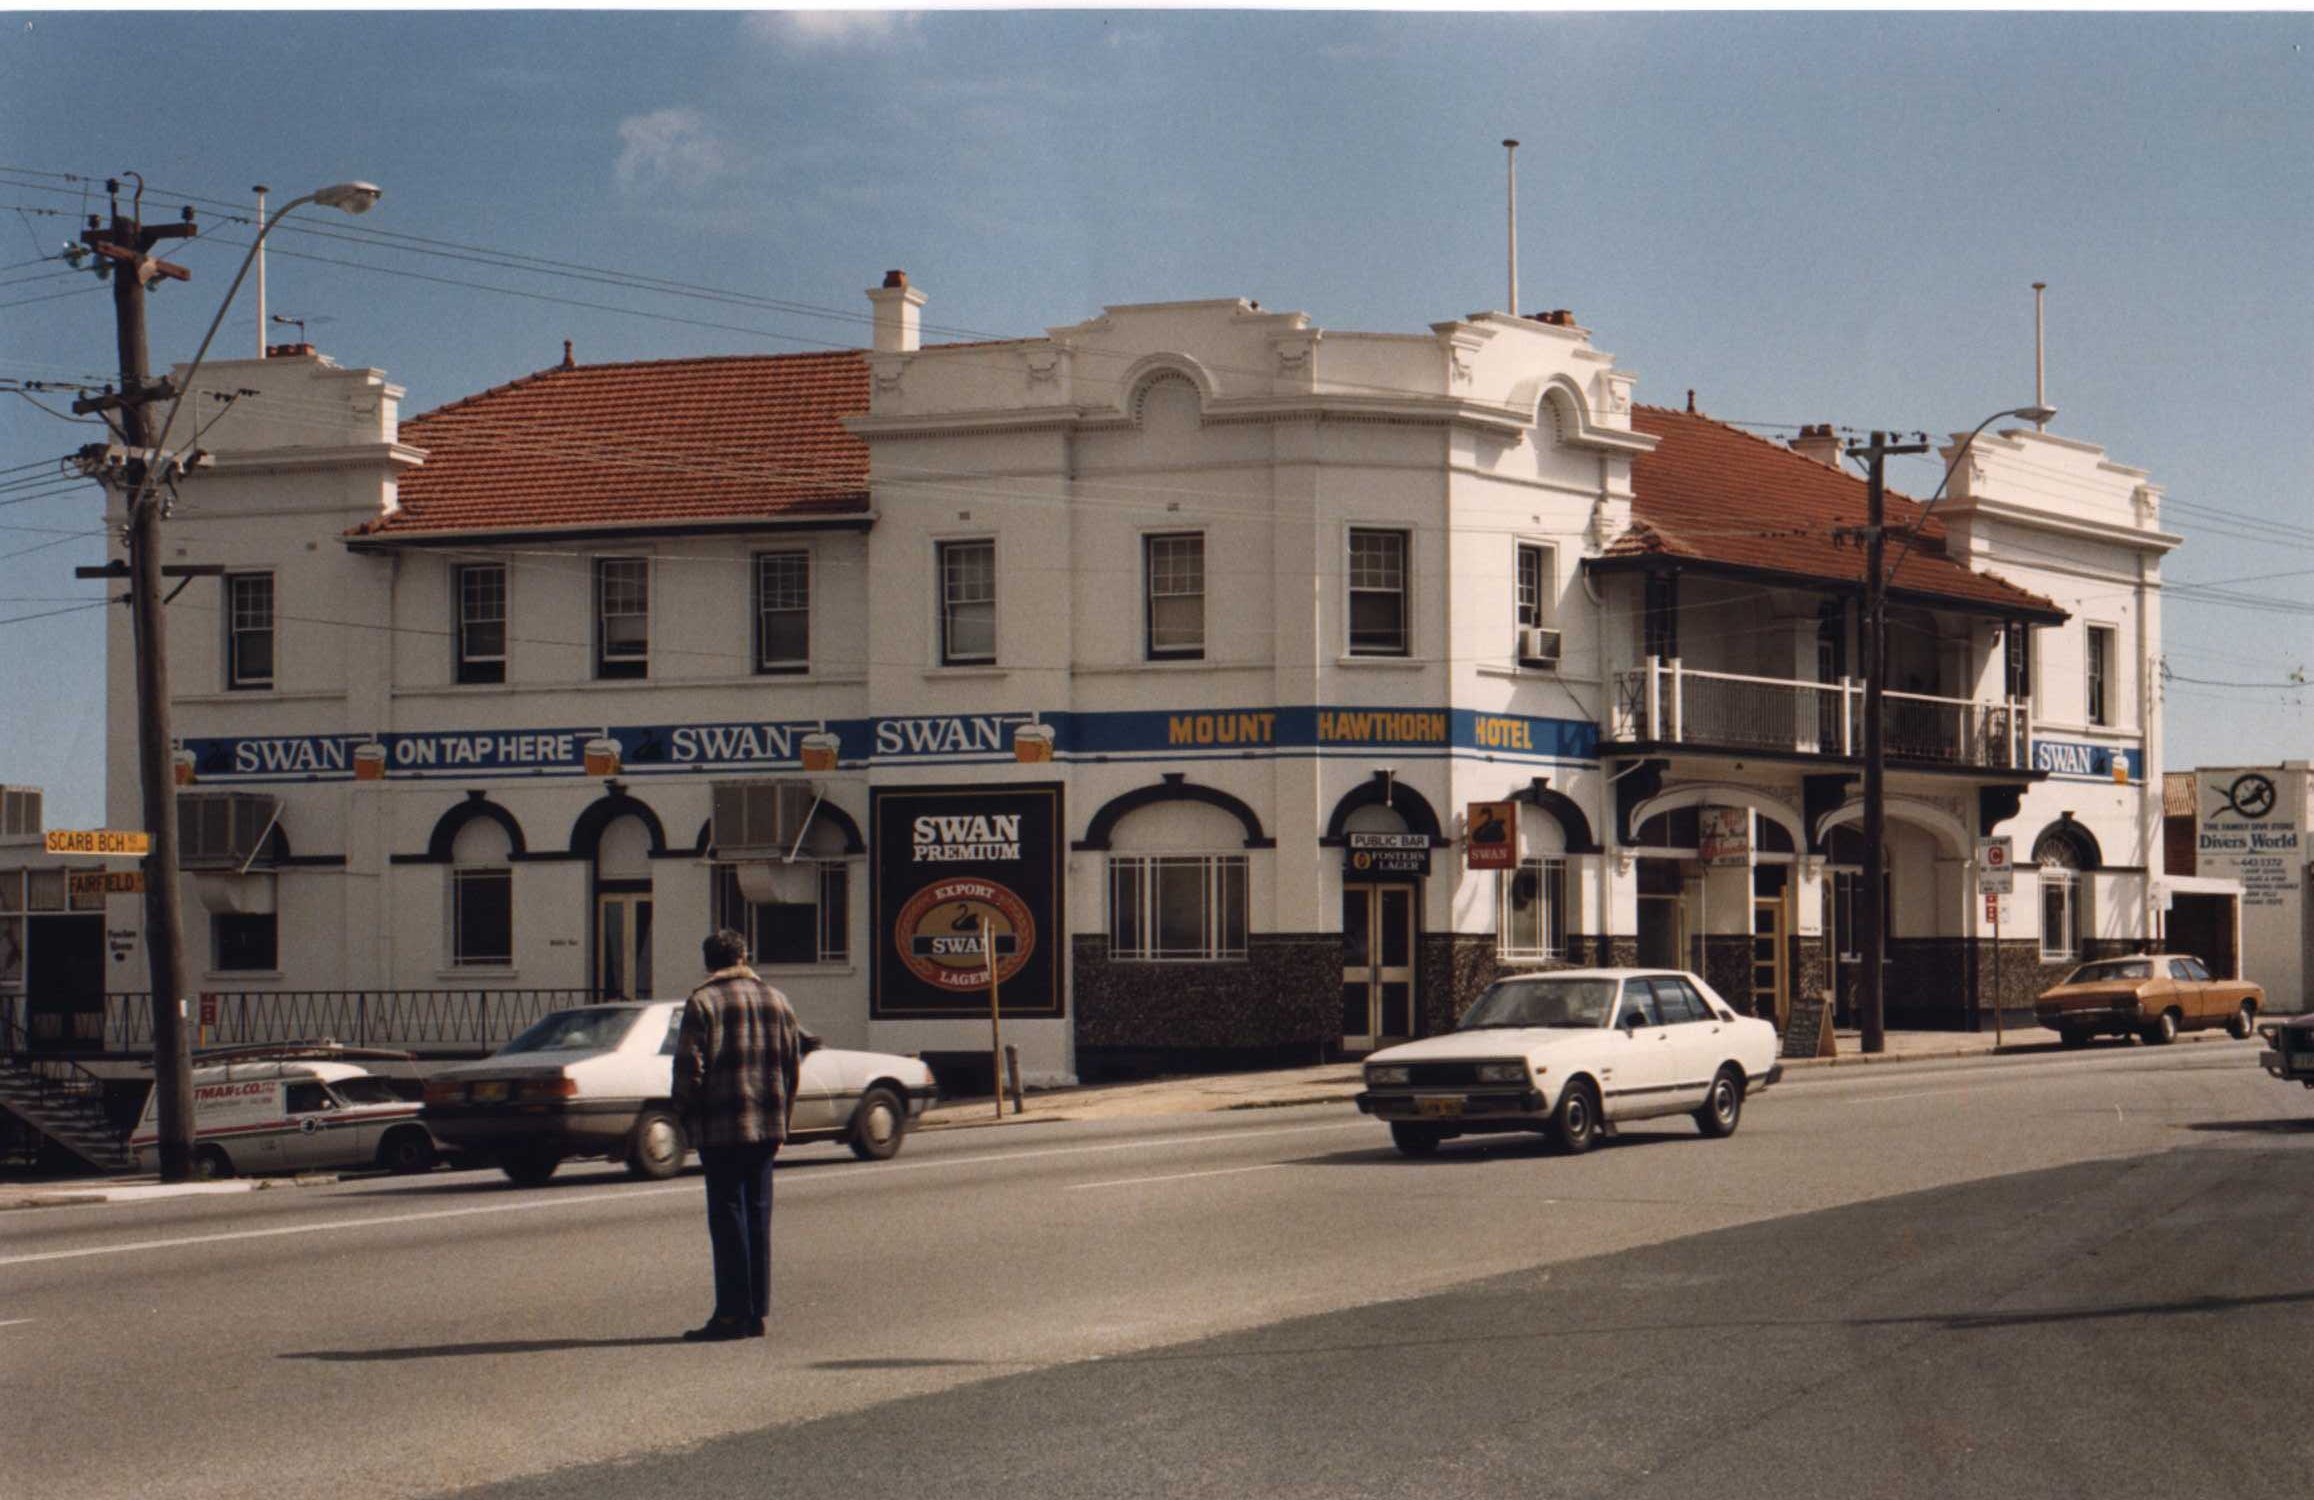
(949, 863)
(1808, 1031)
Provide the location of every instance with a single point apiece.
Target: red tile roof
(665, 441)
(1721, 497)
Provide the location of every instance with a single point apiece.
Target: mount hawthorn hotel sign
(952, 863)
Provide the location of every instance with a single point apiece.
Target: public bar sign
(952, 862)
(1372, 854)
(103, 841)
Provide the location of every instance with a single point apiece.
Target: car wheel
(1577, 1118)
(877, 1125)
(1415, 1140)
(655, 1146)
(1723, 1107)
(2244, 1022)
(528, 1168)
(211, 1163)
(2072, 1036)
(406, 1151)
(2162, 1030)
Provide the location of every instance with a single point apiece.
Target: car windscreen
(2112, 968)
(365, 1091)
(597, 1028)
(1542, 1001)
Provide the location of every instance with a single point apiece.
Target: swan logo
(939, 932)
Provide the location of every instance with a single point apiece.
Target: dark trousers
(739, 1227)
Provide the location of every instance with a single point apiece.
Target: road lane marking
(1267, 1166)
(13, 1322)
(628, 1195)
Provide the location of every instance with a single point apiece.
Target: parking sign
(1995, 875)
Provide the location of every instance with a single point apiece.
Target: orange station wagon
(2154, 995)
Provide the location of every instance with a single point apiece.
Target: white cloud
(674, 147)
(830, 28)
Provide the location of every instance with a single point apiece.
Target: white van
(292, 1110)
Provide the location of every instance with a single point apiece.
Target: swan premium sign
(953, 862)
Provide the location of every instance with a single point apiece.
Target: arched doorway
(622, 895)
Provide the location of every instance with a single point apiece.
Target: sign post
(995, 1027)
(1996, 877)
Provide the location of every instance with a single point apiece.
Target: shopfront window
(1532, 919)
(1177, 907)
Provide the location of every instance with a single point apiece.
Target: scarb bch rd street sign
(118, 842)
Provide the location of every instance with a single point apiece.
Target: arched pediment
(1101, 832)
(444, 838)
(1950, 831)
(1574, 823)
(1722, 794)
(1384, 790)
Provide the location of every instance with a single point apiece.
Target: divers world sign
(954, 867)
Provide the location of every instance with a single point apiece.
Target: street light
(1875, 922)
(164, 915)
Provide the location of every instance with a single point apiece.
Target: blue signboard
(2074, 760)
(952, 739)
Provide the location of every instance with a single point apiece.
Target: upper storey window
(622, 616)
(481, 624)
(1174, 567)
(248, 630)
(783, 611)
(1379, 618)
(967, 603)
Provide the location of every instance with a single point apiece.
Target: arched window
(481, 894)
(1531, 900)
(2060, 862)
(1178, 885)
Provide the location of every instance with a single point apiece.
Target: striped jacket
(736, 1058)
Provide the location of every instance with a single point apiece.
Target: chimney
(1818, 442)
(568, 362)
(897, 305)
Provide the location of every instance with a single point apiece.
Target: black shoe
(755, 1328)
(716, 1331)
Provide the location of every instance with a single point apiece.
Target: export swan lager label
(951, 863)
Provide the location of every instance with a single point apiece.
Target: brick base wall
(1281, 1005)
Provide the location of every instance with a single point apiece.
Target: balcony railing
(1666, 703)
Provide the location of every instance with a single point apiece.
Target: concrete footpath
(1326, 1083)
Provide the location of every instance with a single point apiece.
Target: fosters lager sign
(952, 864)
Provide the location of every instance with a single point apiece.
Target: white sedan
(596, 1081)
(1573, 1052)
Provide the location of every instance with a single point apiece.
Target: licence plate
(1438, 1105)
(490, 1093)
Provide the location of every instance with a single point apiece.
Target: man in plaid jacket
(736, 1058)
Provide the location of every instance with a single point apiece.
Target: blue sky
(1804, 217)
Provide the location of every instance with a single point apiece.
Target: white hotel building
(1180, 647)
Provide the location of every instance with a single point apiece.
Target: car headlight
(1388, 1074)
(1502, 1072)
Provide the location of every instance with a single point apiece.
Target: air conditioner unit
(223, 830)
(1538, 647)
(763, 817)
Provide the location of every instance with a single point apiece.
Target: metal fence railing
(439, 1021)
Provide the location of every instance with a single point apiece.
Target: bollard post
(1012, 1076)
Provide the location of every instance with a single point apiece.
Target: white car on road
(596, 1080)
(1573, 1052)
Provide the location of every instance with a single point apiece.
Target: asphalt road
(2067, 1275)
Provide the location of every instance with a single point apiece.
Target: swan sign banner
(949, 864)
(1490, 839)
